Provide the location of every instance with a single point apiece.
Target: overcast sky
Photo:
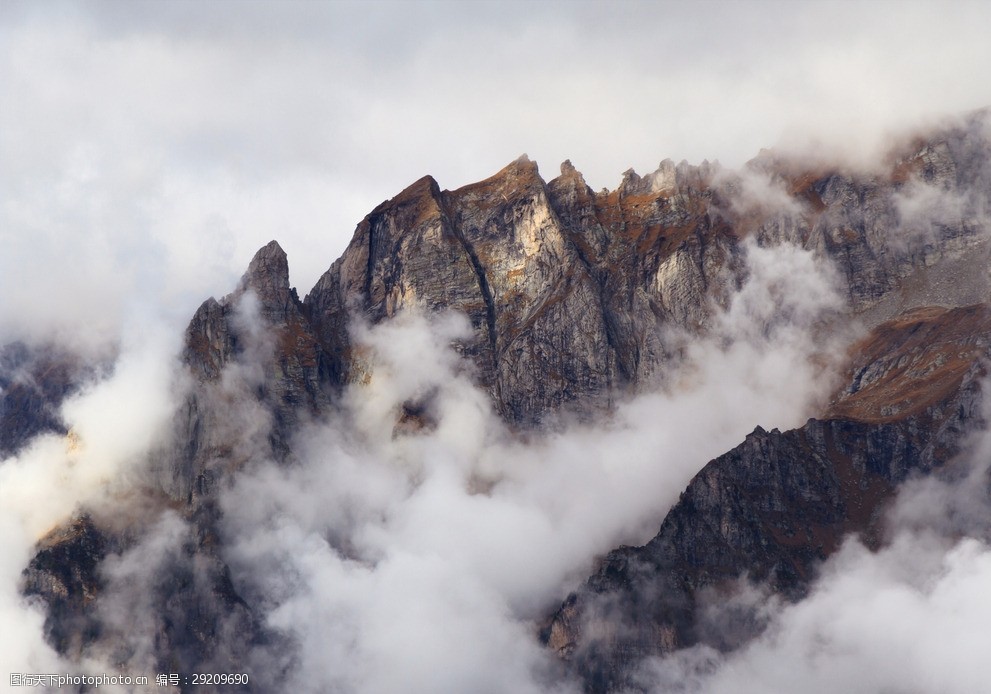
(147, 149)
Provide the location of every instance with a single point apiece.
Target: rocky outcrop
(565, 288)
(569, 290)
(64, 573)
(255, 371)
(777, 505)
(198, 622)
(495, 251)
(261, 332)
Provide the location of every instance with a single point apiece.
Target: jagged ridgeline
(576, 300)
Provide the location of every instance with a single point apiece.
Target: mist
(423, 557)
(114, 421)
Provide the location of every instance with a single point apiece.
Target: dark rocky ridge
(569, 293)
(776, 506)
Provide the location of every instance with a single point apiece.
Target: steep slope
(499, 252)
(780, 503)
(259, 331)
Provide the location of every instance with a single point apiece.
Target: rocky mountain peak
(568, 169)
(268, 276)
(632, 183)
(518, 179)
(269, 257)
(422, 188)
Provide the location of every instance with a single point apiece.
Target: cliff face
(571, 296)
(568, 290)
(262, 323)
(564, 288)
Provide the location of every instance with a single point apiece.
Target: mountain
(777, 505)
(577, 301)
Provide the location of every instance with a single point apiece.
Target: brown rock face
(565, 288)
(910, 363)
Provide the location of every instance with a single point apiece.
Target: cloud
(907, 619)
(147, 150)
(947, 192)
(129, 608)
(420, 550)
(113, 423)
(23, 643)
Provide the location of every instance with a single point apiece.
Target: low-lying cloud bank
(414, 553)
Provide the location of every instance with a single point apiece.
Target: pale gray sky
(148, 148)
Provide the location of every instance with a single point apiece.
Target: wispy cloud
(423, 555)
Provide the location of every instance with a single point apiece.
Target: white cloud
(907, 619)
(113, 423)
(424, 556)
